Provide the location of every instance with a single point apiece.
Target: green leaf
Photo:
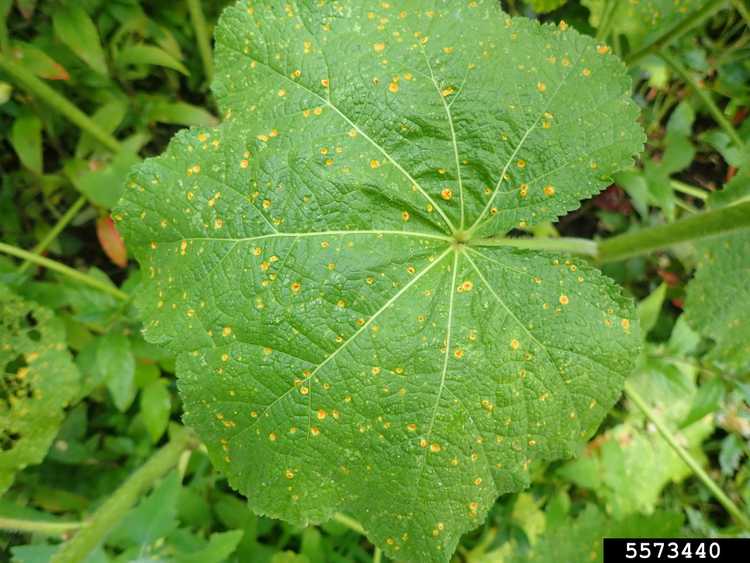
(115, 363)
(179, 113)
(38, 62)
(718, 296)
(650, 308)
(154, 517)
(644, 21)
(220, 546)
(108, 117)
(5, 92)
(580, 539)
(544, 6)
(732, 450)
(344, 340)
(149, 55)
(101, 182)
(26, 138)
(155, 407)
(76, 30)
(38, 381)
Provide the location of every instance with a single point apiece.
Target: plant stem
(604, 25)
(39, 526)
(116, 506)
(717, 114)
(202, 37)
(667, 434)
(743, 10)
(705, 224)
(64, 270)
(377, 555)
(562, 244)
(689, 190)
(349, 522)
(42, 245)
(40, 90)
(685, 25)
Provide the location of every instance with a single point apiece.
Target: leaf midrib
(385, 153)
(359, 331)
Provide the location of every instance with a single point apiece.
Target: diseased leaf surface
(718, 297)
(344, 340)
(38, 380)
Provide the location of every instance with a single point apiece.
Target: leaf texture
(38, 380)
(345, 339)
(718, 297)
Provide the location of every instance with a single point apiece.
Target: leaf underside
(38, 380)
(338, 349)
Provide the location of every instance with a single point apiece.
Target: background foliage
(141, 70)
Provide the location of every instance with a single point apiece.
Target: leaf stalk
(63, 222)
(202, 36)
(39, 526)
(40, 90)
(67, 271)
(116, 506)
(708, 223)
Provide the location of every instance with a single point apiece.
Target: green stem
(572, 245)
(40, 90)
(741, 518)
(708, 223)
(743, 10)
(39, 526)
(117, 505)
(377, 555)
(689, 190)
(605, 24)
(669, 36)
(202, 37)
(703, 94)
(64, 270)
(685, 206)
(56, 230)
(349, 522)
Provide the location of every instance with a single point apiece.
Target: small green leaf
(39, 379)
(179, 113)
(220, 546)
(149, 55)
(115, 363)
(76, 30)
(155, 408)
(650, 307)
(707, 400)
(154, 517)
(5, 92)
(344, 340)
(544, 6)
(108, 117)
(26, 138)
(38, 62)
(101, 181)
(732, 450)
